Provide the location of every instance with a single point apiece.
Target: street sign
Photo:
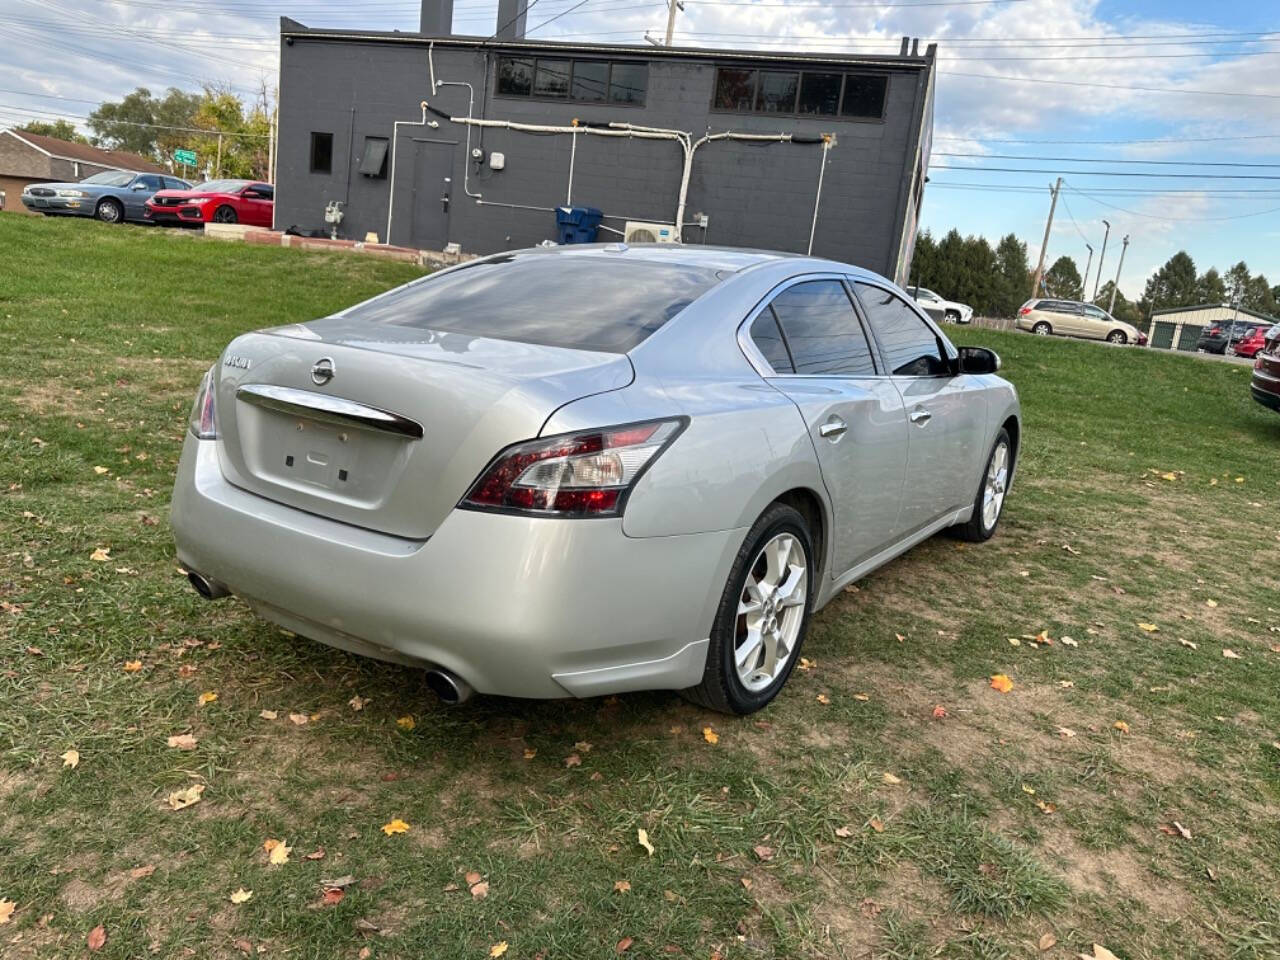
(185, 157)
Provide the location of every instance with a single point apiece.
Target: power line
(1167, 163)
(1242, 193)
(1153, 216)
(1110, 86)
(14, 110)
(1172, 140)
(1109, 173)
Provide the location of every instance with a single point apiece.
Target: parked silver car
(590, 469)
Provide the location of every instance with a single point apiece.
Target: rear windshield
(582, 302)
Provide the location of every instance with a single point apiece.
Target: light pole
(1085, 286)
(1102, 256)
(1116, 286)
(1231, 336)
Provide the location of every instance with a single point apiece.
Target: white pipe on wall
(573, 155)
(471, 109)
(391, 187)
(817, 200)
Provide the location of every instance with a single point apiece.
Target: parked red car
(1252, 342)
(216, 201)
(1266, 372)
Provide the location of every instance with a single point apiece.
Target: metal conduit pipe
(471, 109)
(395, 136)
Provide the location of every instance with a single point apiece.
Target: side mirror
(139, 186)
(978, 360)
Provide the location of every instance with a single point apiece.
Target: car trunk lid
(382, 426)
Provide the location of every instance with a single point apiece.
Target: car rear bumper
(517, 606)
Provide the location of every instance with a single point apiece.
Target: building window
(860, 96)
(374, 161)
(583, 81)
(864, 96)
(820, 94)
(321, 152)
(735, 89)
(777, 92)
(552, 79)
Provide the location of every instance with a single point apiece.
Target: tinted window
(552, 79)
(864, 95)
(768, 340)
(110, 178)
(560, 300)
(735, 89)
(820, 93)
(1059, 306)
(152, 182)
(778, 92)
(910, 346)
(321, 152)
(174, 184)
(590, 81)
(628, 83)
(515, 76)
(822, 330)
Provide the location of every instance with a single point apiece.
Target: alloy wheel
(770, 612)
(994, 486)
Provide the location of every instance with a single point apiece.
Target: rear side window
(768, 340)
(558, 300)
(822, 331)
(1058, 306)
(910, 346)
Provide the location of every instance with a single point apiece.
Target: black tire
(951, 316)
(225, 214)
(1042, 328)
(976, 529)
(1117, 336)
(721, 689)
(109, 211)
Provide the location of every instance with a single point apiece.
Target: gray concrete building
(429, 139)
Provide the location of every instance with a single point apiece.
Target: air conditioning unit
(637, 231)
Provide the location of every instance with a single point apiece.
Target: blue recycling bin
(577, 224)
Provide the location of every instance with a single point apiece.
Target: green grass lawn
(874, 825)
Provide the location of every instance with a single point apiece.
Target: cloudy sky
(1023, 85)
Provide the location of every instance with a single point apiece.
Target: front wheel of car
(1042, 329)
(989, 502)
(763, 615)
(1117, 336)
(109, 211)
(951, 316)
(224, 214)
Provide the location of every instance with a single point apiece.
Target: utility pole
(217, 167)
(1035, 283)
(1102, 256)
(1085, 286)
(1116, 286)
(672, 6)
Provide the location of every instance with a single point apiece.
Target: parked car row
(1244, 340)
(120, 196)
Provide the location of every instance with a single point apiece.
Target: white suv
(940, 309)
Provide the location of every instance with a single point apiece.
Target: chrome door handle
(921, 416)
(833, 428)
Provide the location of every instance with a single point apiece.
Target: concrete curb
(238, 232)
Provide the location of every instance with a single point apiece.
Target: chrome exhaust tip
(207, 588)
(452, 690)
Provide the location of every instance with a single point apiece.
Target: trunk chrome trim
(319, 406)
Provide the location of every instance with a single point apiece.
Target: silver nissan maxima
(585, 470)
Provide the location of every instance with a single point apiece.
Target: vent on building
(637, 231)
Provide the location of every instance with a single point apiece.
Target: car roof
(721, 259)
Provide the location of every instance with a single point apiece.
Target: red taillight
(203, 422)
(1024, 311)
(580, 474)
(1215, 331)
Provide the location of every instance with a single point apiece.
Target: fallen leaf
(624, 944)
(498, 949)
(97, 938)
(1230, 654)
(824, 699)
(1066, 733)
(710, 735)
(480, 890)
(1015, 642)
(6, 910)
(1121, 726)
(899, 637)
(1046, 807)
(316, 854)
(1001, 683)
(1149, 627)
(332, 896)
(241, 896)
(71, 759)
(843, 832)
(807, 664)
(182, 741)
(746, 882)
(100, 470)
(876, 824)
(101, 555)
(207, 697)
(181, 799)
(1068, 642)
(582, 746)
(530, 753)
(132, 666)
(939, 712)
(146, 870)
(405, 723)
(642, 837)
(1047, 941)
(1043, 638)
(395, 826)
(573, 760)
(278, 852)
(298, 719)
(357, 703)
(1188, 643)
(268, 714)
(621, 886)
(473, 878)
(763, 852)
(1099, 953)
(890, 779)
(1211, 603)
(1031, 791)
(861, 697)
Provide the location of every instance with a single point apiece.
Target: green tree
(1211, 288)
(1124, 309)
(138, 122)
(1173, 285)
(1014, 275)
(1258, 296)
(1238, 278)
(60, 129)
(243, 150)
(1063, 279)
